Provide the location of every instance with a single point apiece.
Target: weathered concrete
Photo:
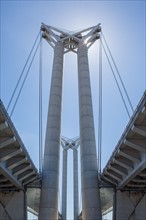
(50, 171)
(89, 175)
(13, 205)
(64, 185)
(75, 173)
(130, 205)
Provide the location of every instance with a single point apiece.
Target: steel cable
(17, 84)
(40, 106)
(24, 80)
(126, 93)
(100, 108)
(116, 81)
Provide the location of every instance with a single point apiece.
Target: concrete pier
(75, 176)
(50, 173)
(89, 176)
(13, 205)
(64, 185)
(130, 205)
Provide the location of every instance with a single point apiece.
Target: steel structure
(16, 171)
(126, 167)
(16, 166)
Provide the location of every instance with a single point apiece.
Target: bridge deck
(126, 168)
(127, 164)
(16, 166)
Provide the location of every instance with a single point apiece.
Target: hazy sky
(123, 24)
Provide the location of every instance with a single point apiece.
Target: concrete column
(131, 205)
(89, 174)
(75, 173)
(114, 204)
(13, 205)
(50, 172)
(64, 185)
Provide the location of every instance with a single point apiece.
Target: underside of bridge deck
(126, 167)
(16, 171)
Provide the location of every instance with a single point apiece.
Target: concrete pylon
(89, 175)
(50, 171)
(13, 205)
(66, 145)
(75, 175)
(64, 184)
(78, 42)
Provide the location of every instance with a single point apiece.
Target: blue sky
(123, 25)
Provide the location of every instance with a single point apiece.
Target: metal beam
(21, 169)
(29, 173)
(3, 126)
(143, 173)
(129, 156)
(123, 164)
(6, 185)
(135, 146)
(110, 179)
(30, 179)
(139, 131)
(113, 175)
(7, 142)
(8, 174)
(136, 180)
(3, 179)
(6, 157)
(136, 185)
(16, 163)
(137, 169)
(120, 171)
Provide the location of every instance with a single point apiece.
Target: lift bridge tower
(63, 42)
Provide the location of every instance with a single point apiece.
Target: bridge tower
(72, 144)
(63, 42)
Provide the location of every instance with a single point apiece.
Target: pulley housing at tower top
(70, 39)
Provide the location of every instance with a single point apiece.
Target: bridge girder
(126, 167)
(16, 166)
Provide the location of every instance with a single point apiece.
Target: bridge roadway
(16, 166)
(125, 170)
(17, 170)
